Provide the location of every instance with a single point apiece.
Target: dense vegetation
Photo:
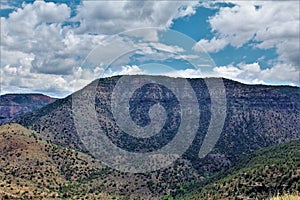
(268, 172)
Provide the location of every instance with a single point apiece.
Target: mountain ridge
(14, 104)
(245, 104)
(256, 117)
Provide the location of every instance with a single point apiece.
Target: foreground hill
(268, 172)
(31, 167)
(14, 105)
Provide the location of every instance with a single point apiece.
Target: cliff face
(14, 105)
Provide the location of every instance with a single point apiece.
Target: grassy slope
(31, 167)
(267, 172)
(286, 197)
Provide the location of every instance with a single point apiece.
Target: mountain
(14, 105)
(257, 116)
(266, 173)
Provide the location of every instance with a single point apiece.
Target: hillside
(14, 105)
(257, 116)
(31, 167)
(266, 173)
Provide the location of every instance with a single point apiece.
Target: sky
(57, 47)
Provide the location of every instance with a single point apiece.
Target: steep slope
(14, 105)
(257, 116)
(266, 173)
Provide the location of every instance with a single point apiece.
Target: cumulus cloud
(36, 29)
(253, 74)
(213, 45)
(30, 15)
(187, 73)
(137, 70)
(39, 43)
(110, 17)
(271, 24)
(267, 24)
(20, 79)
(4, 4)
(127, 70)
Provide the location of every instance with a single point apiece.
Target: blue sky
(251, 42)
(198, 27)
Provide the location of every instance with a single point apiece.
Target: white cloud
(126, 70)
(282, 73)
(36, 29)
(272, 24)
(168, 48)
(229, 71)
(4, 4)
(187, 73)
(20, 79)
(38, 43)
(31, 15)
(213, 45)
(147, 34)
(137, 70)
(109, 17)
(39, 54)
(253, 74)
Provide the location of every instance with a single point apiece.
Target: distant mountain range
(257, 116)
(14, 105)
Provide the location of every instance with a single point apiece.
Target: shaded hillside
(266, 173)
(14, 105)
(257, 116)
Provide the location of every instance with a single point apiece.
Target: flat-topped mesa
(14, 105)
